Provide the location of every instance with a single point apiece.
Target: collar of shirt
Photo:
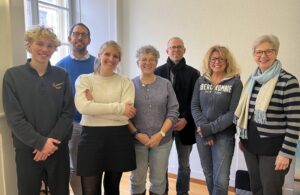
(85, 57)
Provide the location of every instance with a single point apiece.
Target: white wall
(203, 23)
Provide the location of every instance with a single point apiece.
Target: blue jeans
(216, 162)
(184, 170)
(157, 160)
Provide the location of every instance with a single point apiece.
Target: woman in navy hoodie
(215, 98)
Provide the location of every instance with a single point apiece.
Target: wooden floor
(196, 188)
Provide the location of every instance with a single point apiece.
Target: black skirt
(105, 149)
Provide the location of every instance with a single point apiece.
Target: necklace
(148, 80)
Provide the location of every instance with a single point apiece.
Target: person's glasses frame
(176, 47)
(144, 60)
(267, 52)
(213, 60)
(78, 34)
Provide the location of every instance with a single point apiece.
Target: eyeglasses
(176, 47)
(146, 60)
(267, 52)
(78, 34)
(213, 60)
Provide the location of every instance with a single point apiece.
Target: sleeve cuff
(39, 144)
(286, 155)
(209, 138)
(206, 130)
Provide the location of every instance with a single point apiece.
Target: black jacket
(184, 80)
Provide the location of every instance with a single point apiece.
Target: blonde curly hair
(37, 32)
(231, 65)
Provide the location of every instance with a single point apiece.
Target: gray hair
(176, 38)
(272, 39)
(147, 49)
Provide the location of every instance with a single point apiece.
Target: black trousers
(30, 172)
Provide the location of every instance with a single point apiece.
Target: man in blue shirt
(77, 63)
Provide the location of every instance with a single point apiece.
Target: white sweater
(109, 97)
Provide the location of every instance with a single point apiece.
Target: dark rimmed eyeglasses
(213, 60)
(176, 47)
(78, 34)
(267, 52)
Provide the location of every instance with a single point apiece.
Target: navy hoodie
(213, 106)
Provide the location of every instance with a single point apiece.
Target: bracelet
(162, 133)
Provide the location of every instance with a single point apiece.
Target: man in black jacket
(183, 78)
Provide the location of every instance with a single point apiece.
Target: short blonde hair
(102, 49)
(231, 65)
(37, 32)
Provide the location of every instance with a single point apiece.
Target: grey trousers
(264, 180)
(75, 180)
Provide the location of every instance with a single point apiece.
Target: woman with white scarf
(268, 119)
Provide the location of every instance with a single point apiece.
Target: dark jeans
(184, 170)
(30, 172)
(264, 180)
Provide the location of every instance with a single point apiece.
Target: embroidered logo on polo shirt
(58, 85)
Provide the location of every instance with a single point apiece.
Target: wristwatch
(162, 133)
(133, 134)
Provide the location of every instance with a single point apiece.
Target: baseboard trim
(198, 181)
